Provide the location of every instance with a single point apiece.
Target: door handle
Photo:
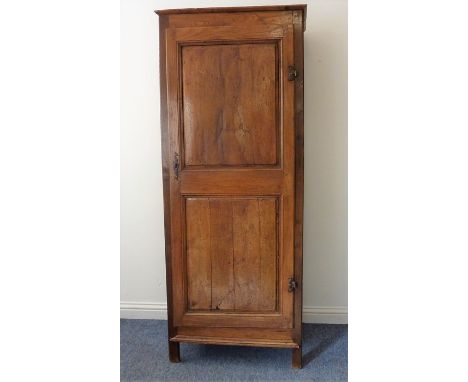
(176, 166)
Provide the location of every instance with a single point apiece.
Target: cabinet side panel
(163, 22)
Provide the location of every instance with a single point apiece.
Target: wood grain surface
(229, 104)
(232, 254)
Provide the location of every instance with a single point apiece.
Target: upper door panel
(229, 103)
(230, 95)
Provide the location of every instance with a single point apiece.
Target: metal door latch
(176, 165)
(292, 73)
(292, 284)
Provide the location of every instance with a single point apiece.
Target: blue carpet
(144, 357)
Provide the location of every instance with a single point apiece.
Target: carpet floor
(144, 357)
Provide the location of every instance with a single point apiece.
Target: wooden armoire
(232, 82)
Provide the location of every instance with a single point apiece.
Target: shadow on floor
(331, 336)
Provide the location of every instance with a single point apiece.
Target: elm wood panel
(227, 121)
(198, 254)
(231, 254)
(246, 249)
(259, 333)
(230, 19)
(228, 34)
(232, 319)
(254, 224)
(236, 341)
(268, 253)
(244, 182)
(222, 282)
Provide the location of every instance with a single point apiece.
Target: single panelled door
(231, 138)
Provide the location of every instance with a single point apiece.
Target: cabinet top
(262, 8)
(289, 7)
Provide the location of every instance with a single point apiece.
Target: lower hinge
(292, 73)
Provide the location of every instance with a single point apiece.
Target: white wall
(143, 291)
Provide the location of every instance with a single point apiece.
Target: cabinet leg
(174, 351)
(297, 358)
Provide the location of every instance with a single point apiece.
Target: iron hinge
(292, 73)
(292, 284)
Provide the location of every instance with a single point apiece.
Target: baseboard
(143, 310)
(310, 314)
(325, 314)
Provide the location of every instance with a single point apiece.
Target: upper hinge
(292, 73)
